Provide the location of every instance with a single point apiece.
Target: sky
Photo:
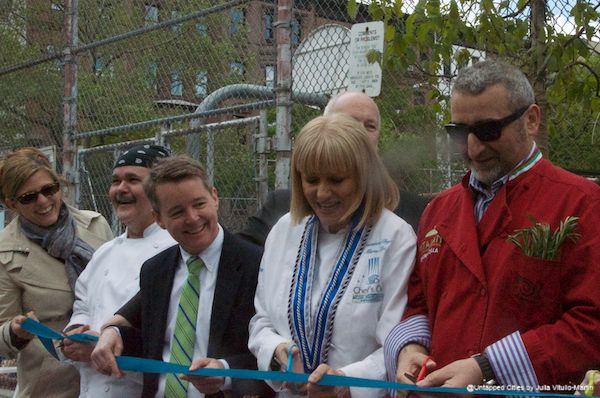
(559, 13)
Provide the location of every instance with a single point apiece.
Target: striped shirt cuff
(414, 329)
(510, 362)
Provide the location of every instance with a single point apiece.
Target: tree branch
(590, 69)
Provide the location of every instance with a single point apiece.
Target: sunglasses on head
(486, 130)
(30, 197)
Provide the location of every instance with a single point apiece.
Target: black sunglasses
(30, 197)
(487, 130)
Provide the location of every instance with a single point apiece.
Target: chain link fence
(158, 70)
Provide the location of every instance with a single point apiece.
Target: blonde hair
(18, 166)
(339, 144)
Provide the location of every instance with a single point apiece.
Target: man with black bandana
(112, 276)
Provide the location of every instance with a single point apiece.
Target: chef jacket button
(106, 388)
(105, 272)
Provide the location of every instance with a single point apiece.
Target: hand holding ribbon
(77, 350)
(46, 335)
(206, 384)
(322, 376)
(109, 346)
(16, 326)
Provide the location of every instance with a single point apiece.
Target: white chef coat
(370, 307)
(110, 279)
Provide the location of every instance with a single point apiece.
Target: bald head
(358, 106)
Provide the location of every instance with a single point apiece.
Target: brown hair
(173, 169)
(18, 166)
(338, 143)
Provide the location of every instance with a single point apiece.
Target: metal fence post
(283, 90)
(70, 99)
(262, 149)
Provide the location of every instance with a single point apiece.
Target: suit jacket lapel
(229, 277)
(163, 284)
(459, 230)
(495, 219)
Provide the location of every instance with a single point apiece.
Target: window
(296, 31)
(152, 76)
(202, 29)
(201, 89)
(151, 17)
(176, 84)
(103, 66)
(236, 68)
(237, 18)
(268, 22)
(177, 27)
(447, 68)
(51, 50)
(270, 76)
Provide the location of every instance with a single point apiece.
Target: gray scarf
(60, 240)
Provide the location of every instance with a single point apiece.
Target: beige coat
(32, 280)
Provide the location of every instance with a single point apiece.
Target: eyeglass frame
(486, 130)
(47, 190)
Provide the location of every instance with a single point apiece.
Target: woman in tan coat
(42, 251)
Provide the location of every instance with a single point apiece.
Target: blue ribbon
(133, 364)
(46, 335)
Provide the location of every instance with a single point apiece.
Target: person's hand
(281, 355)
(108, 346)
(457, 374)
(595, 382)
(317, 391)
(15, 326)
(410, 360)
(206, 384)
(77, 351)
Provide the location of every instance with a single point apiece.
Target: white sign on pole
(363, 76)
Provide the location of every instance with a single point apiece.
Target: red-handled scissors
(423, 370)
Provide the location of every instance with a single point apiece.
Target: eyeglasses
(487, 130)
(30, 197)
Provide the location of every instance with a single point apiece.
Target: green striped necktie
(182, 345)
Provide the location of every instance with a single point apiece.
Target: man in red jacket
(506, 282)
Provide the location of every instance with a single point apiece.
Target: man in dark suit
(186, 204)
(358, 106)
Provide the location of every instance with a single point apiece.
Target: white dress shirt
(208, 280)
(110, 279)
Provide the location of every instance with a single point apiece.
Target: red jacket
(476, 287)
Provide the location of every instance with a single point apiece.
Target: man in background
(362, 108)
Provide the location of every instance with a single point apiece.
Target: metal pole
(283, 91)
(538, 36)
(210, 155)
(261, 151)
(70, 99)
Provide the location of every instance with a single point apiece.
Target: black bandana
(142, 155)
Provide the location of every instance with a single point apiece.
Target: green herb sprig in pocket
(542, 242)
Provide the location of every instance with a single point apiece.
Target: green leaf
(352, 9)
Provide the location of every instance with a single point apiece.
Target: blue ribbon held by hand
(132, 364)
(46, 335)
